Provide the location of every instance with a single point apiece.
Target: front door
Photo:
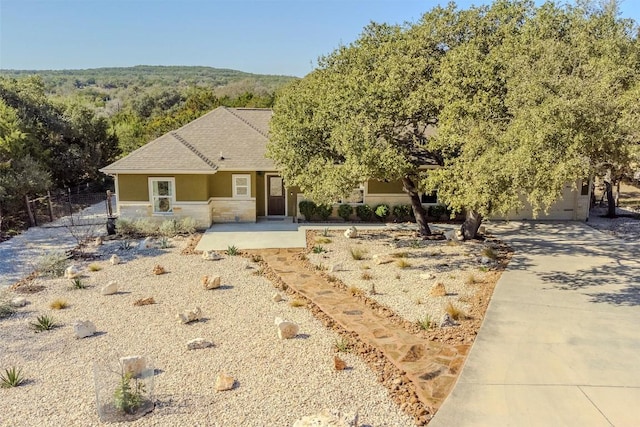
(275, 195)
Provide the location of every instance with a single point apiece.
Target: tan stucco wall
(191, 188)
(133, 188)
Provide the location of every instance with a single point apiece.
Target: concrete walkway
(560, 343)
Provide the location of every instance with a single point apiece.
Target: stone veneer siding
(233, 210)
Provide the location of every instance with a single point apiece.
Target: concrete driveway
(560, 343)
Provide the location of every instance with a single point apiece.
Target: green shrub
(6, 308)
(345, 211)
(232, 250)
(146, 227)
(187, 225)
(43, 323)
(436, 211)
(125, 227)
(324, 211)
(382, 211)
(318, 249)
(169, 228)
(12, 377)
(364, 212)
(308, 209)
(52, 264)
(402, 212)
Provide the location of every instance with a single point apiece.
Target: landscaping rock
(211, 282)
(224, 382)
(84, 328)
(19, 302)
(110, 289)
(485, 260)
(158, 270)
(98, 241)
(438, 290)
(276, 297)
(115, 259)
(198, 343)
(455, 235)
(147, 243)
(135, 365)
(351, 233)
(338, 363)
(287, 330)
(188, 316)
(336, 267)
(383, 259)
(72, 272)
(328, 418)
(427, 276)
(211, 256)
(447, 321)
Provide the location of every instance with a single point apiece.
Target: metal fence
(83, 205)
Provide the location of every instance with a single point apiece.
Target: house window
(162, 194)
(429, 198)
(242, 186)
(356, 196)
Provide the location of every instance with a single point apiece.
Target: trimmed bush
(402, 212)
(125, 227)
(437, 211)
(324, 211)
(364, 212)
(308, 209)
(345, 211)
(382, 211)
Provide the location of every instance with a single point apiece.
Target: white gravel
(405, 290)
(277, 381)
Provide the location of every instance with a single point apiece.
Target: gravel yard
(277, 381)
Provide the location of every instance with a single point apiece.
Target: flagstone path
(431, 366)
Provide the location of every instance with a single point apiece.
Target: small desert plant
(12, 377)
(414, 244)
(454, 311)
(470, 279)
(357, 253)
(297, 303)
(256, 258)
(318, 249)
(372, 290)
(145, 227)
(425, 323)
(324, 211)
(169, 228)
(52, 264)
(366, 276)
(187, 225)
(259, 272)
(398, 276)
(164, 243)
(355, 291)
(43, 323)
(483, 268)
(6, 308)
(125, 227)
(232, 250)
(59, 304)
(345, 211)
(332, 279)
(489, 252)
(325, 232)
(364, 212)
(307, 208)
(403, 263)
(321, 267)
(342, 345)
(382, 212)
(324, 240)
(129, 395)
(94, 267)
(77, 283)
(125, 245)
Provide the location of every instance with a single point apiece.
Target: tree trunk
(471, 224)
(611, 202)
(418, 211)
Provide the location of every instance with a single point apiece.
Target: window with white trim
(162, 194)
(242, 186)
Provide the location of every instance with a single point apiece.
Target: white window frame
(234, 178)
(172, 194)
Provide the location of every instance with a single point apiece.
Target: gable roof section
(223, 139)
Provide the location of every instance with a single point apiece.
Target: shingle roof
(223, 139)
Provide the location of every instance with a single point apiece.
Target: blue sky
(258, 36)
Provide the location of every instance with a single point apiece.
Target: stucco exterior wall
(189, 188)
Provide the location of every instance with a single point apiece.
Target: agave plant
(12, 377)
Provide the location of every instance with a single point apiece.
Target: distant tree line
(57, 128)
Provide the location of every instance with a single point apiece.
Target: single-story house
(214, 169)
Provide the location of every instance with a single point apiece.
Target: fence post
(50, 207)
(70, 207)
(109, 208)
(32, 218)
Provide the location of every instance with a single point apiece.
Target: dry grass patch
(470, 279)
(355, 291)
(403, 263)
(489, 253)
(323, 240)
(94, 267)
(455, 312)
(297, 302)
(58, 304)
(358, 254)
(366, 276)
(399, 255)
